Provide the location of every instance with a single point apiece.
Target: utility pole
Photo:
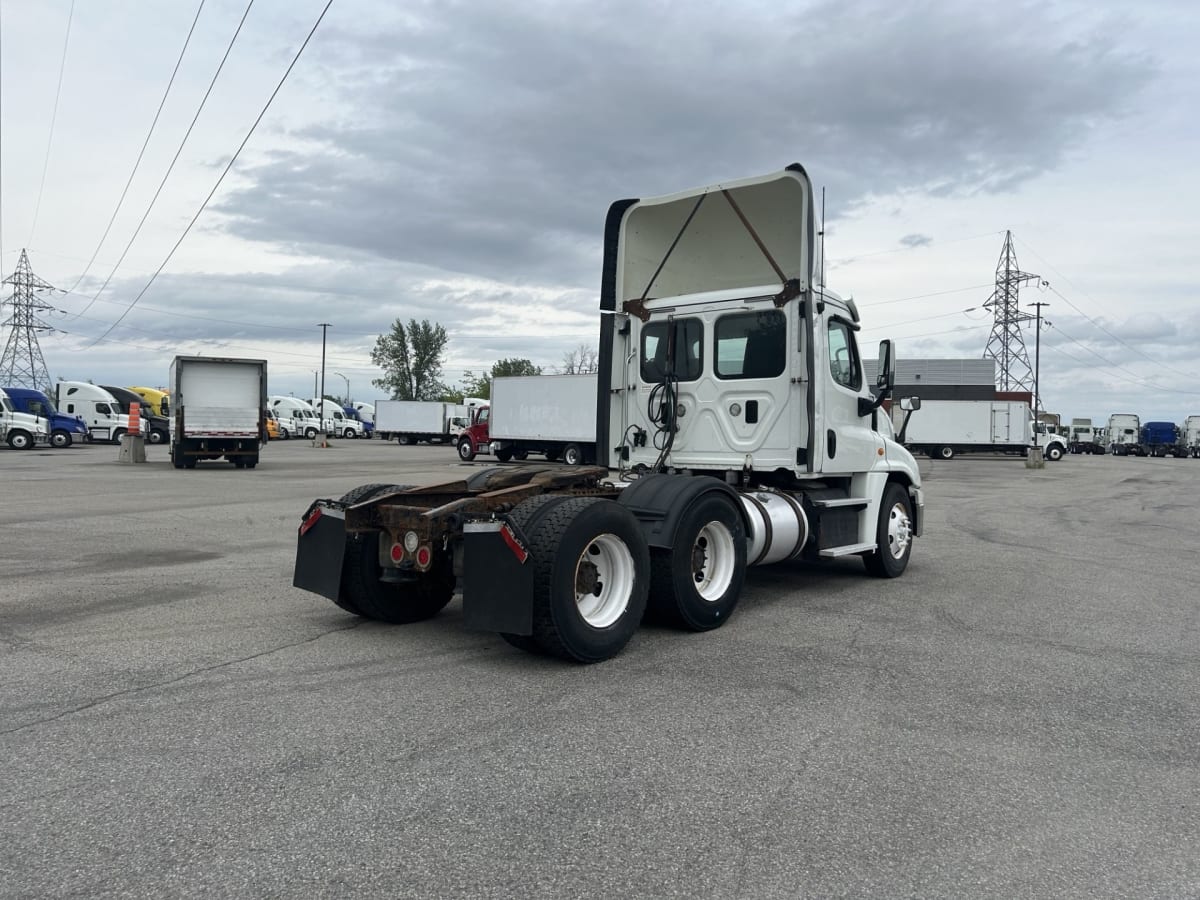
(1005, 344)
(324, 326)
(1037, 359)
(22, 364)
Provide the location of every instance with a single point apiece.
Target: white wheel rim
(604, 577)
(713, 561)
(899, 530)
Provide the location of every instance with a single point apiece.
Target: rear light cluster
(411, 546)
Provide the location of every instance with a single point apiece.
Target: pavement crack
(128, 692)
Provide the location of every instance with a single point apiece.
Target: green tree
(411, 360)
(507, 367)
(476, 385)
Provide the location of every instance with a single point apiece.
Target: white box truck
(218, 409)
(554, 415)
(943, 429)
(410, 421)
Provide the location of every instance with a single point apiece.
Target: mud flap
(497, 579)
(320, 546)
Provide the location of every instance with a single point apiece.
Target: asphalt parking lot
(1018, 716)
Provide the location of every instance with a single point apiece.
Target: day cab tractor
(734, 428)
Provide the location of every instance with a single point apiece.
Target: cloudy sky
(454, 161)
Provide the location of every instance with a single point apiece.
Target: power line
(834, 261)
(1144, 382)
(53, 118)
(1065, 299)
(141, 152)
(961, 290)
(175, 158)
(229, 166)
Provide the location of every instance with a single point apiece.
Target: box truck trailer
(219, 407)
(552, 415)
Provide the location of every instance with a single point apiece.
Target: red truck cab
(475, 438)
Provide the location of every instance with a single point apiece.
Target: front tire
(591, 579)
(893, 534)
(1054, 453)
(466, 450)
(60, 439)
(310, 433)
(697, 583)
(158, 437)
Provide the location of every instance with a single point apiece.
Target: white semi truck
(100, 410)
(218, 409)
(1125, 435)
(336, 420)
(22, 430)
(1190, 436)
(944, 429)
(734, 427)
(1085, 438)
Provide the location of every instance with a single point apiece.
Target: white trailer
(218, 409)
(410, 421)
(1125, 435)
(554, 415)
(943, 429)
(1190, 436)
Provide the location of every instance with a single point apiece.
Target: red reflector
(397, 552)
(310, 521)
(423, 557)
(517, 548)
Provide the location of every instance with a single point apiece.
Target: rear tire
(504, 455)
(697, 583)
(893, 534)
(360, 493)
(20, 440)
(572, 455)
(591, 579)
(944, 453)
(396, 604)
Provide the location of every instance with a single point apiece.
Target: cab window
(843, 355)
(751, 344)
(672, 348)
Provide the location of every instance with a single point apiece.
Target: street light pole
(324, 326)
(347, 380)
(1037, 361)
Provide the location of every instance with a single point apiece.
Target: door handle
(831, 443)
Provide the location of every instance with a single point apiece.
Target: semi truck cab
(64, 430)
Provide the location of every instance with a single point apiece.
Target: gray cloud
(916, 240)
(489, 138)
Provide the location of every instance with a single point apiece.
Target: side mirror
(885, 377)
(910, 404)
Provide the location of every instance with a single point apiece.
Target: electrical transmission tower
(1005, 344)
(22, 364)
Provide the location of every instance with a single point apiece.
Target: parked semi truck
(1191, 436)
(731, 402)
(553, 415)
(944, 429)
(1125, 435)
(219, 408)
(1085, 438)
(65, 430)
(411, 421)
(21, 430)
(336, 419)
(159, 426)
(98, 408)
(159, 401)
(1161, 439)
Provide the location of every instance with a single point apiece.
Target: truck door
(847, 442)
